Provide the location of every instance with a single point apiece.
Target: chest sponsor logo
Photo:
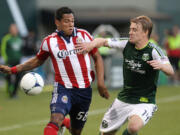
(134, 66)
(62, 54)
(145, 56)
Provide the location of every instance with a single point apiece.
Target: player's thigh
(80, 107)
(143, 111)
(61, 100)
(115, 117)
(135, 123)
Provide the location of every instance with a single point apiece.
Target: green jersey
(11, 49)
(140, 79)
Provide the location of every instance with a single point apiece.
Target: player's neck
(141, 44)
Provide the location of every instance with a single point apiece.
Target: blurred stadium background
(28, 115)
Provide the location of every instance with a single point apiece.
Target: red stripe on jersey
(93, 51)
(67, 64)
(83, 66)
(57, 73)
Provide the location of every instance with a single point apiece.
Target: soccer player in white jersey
(73, 74)
(142, 62)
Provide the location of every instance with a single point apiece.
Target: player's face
(13, 30)
(66, 24)
(136, 33)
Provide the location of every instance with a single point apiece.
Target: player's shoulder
(52, 35)
(80, 30)
(6, 37)
(152, 45)
(156, 49)
(84, 33)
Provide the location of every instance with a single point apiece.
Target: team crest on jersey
(145, 56)
(79, 40)
(104, 124)
(64, 99)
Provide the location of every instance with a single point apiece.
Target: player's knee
(57, 118)
(133, 128)
(76, 131)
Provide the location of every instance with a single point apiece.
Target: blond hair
(146, 23)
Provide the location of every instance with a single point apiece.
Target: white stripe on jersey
(45, 46)
(87, 57)
(61, 67)
(55, 94)
(87, 38)
(88, 63)
(75, 65)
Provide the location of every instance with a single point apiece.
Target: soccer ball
(32, 83)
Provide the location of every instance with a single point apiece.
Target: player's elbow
(170, 72)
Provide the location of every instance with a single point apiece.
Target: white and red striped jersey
(71, 69)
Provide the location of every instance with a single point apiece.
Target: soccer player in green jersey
(141, 65)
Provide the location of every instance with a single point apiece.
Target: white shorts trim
(120, 112)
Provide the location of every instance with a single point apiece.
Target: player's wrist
(14, 70)
(94, 44)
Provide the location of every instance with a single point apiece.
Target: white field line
(94, 112)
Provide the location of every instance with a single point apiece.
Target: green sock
(127, 133)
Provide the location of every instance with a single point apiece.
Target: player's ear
(57, 22)
(147, 33)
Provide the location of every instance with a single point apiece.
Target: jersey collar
(67, 38)
(143, 47)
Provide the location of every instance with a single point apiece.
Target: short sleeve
(43, 53)
(159, 54)
(117, 43)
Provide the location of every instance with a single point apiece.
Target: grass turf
(28, 115)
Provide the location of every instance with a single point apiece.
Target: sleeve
(88, 37)
(117, 43)
(159, 54)
(43, 53)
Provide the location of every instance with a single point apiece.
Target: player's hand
(103, 91)
(156, 64)
(84, 48)
(5, 69)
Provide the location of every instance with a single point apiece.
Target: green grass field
(28, 115)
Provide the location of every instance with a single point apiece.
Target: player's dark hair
(61, 11)
(146, 23)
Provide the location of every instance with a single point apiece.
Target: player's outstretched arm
(100, 75)
(87, 47)
(5, 69)
(28, 65)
